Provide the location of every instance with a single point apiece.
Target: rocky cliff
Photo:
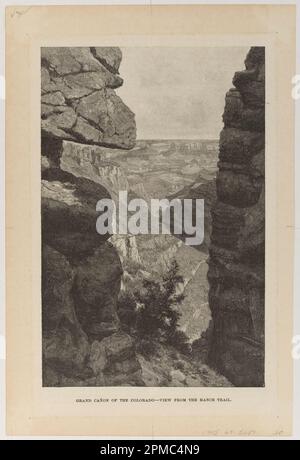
(93, 163)
(236, 264)
(78, 98)
(83, 343)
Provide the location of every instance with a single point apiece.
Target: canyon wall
(236, 263)
(82, 122)
(83, 343)
(78, 98)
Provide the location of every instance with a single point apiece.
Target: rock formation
(236, 264)
(78, 98)
(83, 343)
(94, 163)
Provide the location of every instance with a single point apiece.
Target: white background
(3, 4)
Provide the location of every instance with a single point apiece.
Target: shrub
(151, 313)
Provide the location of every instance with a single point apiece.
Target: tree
(156, 312)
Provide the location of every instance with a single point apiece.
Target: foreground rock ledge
(83, 344)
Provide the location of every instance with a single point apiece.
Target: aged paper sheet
(42, 402)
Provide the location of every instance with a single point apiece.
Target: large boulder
(96, 289)
(81, 272)
(78, 98)
(65, 345)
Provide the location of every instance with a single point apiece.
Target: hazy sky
(178, 92)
